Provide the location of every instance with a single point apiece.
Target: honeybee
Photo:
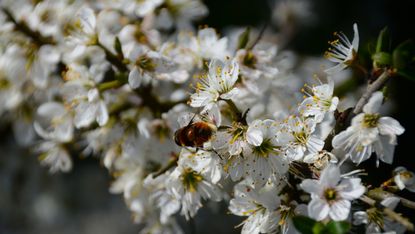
(198, 131)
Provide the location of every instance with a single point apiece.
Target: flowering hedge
(181, 116)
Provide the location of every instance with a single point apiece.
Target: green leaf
(383, 42)
(304, 224)
(403, 55)
(334, 227)
(118, 47)
(318, 228)
(244, 38)
(407, 73)
(382, 58)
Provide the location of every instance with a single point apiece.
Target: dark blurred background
(79, 202)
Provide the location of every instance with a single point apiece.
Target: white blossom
(219, 84)
(331, 195)
(404, 179)
(368, 133)
(343, 52)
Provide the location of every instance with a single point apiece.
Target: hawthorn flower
(12, 78)
(219, 84)
(193, 180)
(300, 138)
(140, 8)
(331, 195)
(264, 157)
(257, 62)
(82, 32)
(258, 204)
(368, 133)
(179, 13)
(41, 63)
(343, 52)
(319, 101)
(150, 64)
(55, 156)
(320, 159)
(376, 222)
(404, 179)
(54, 122)
(81, 95)
(205, 46)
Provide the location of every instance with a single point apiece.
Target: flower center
(237, 131)
(330, 194)
(190, 179)
(371, 120)
(301, 137)
(264, 149)
(4, 83)
(250, 60)
(145, 63)
(140, 36)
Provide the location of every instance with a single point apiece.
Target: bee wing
(185, 118)
(213, 115)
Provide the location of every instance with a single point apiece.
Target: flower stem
(237, 113)
(113, 59)
(172, 163)
(109, 85)
(371, 88)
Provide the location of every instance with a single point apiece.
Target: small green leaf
(118, 47)
(382, 58)
(383, 42)
(304, 224)
(318, 228)
(334, 227)
(244, 38)
(403, 55)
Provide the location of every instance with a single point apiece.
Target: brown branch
(22, 27)
(381, 194)
(389, 212)
(371, 88)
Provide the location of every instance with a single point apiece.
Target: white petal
(135, 78)
(318, 209)
(230, 94)
(355, 42)
(254, 136)
(351, 188)
(390, 126)
(390, 202)
(102, 114)
(310, 186)
(340, 210)
(374, 103)
(330, 176)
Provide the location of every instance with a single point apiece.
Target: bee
(195, 133)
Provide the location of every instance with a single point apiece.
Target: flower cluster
(111, 79)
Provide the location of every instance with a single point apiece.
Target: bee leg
(220, 156)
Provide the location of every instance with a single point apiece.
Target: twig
(389, 212)
(172, 163)
(371, 88)
(261, 33)
(22, 27)
(113, 59)
(381, 194)
(238, 114)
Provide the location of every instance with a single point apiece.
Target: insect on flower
(199, 130)
(194, 134)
